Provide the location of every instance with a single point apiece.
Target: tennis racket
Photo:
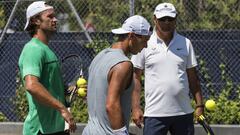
(202, 121)
(71, 68)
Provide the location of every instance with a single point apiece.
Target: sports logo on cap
(165, 9)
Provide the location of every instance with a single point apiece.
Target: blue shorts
(176, 125)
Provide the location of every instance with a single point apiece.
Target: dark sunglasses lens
(151, 29)
(164, 19)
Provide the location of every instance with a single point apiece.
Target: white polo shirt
(166, 81)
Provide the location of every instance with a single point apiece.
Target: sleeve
(191, 60)
(33, 62)
(138, 60)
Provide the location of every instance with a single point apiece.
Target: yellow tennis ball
(81, 81)
(82, 92)
(210, 105)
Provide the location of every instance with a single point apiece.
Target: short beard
(50, 33)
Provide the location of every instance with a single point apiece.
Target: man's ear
(35, 21)
(38, 22)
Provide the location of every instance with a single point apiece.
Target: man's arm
(137, 114)
(119, 78)
(195, 89)
(39, 92)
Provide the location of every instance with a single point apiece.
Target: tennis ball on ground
(81, 81)
(82, 92)
(210, 105)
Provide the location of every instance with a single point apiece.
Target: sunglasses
(143, 38)
(164, 19)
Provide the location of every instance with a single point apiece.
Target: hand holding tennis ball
(81, 82)
(210, 105)
(82, 92)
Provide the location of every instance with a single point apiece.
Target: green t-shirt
(38, 59)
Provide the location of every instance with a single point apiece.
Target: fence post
(79, 20)
(9, 20)
(131, 7)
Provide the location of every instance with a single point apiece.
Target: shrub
(3, 117)
(227, 107)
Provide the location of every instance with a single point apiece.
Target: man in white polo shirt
(169, 65)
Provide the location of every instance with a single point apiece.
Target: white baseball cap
(165, 9)
(34, 9)
(136, 24)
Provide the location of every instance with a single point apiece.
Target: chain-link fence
(213, 27)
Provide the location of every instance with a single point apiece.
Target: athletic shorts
(57, 133)
(176, 125)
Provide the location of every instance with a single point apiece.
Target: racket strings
(71, 70)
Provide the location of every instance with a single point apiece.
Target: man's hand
(137, 116)
(69, 119)
(199, 111)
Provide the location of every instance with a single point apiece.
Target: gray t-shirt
(98, 123)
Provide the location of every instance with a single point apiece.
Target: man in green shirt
(40, 72)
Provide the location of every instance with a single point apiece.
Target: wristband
(197, 106)
(121, 131)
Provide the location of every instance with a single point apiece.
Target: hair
(32, 27)
(122, 37)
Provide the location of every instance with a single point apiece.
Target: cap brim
(160, 15)
(120, 31)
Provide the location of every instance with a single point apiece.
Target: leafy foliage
(98, 44)
(2, 17)
(3, 117)
(192, 15)
(79, 110)
(20, 100)
(227, 108)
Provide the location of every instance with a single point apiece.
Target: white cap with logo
(136, 24)
(34, 9)
(165, 9)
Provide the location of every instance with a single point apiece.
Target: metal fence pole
(79, 20)
(9, 20)
(131, 8)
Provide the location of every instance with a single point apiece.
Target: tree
(2, 16)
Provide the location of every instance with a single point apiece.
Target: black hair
(122, 37)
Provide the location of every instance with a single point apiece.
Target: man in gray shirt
(110, 81)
